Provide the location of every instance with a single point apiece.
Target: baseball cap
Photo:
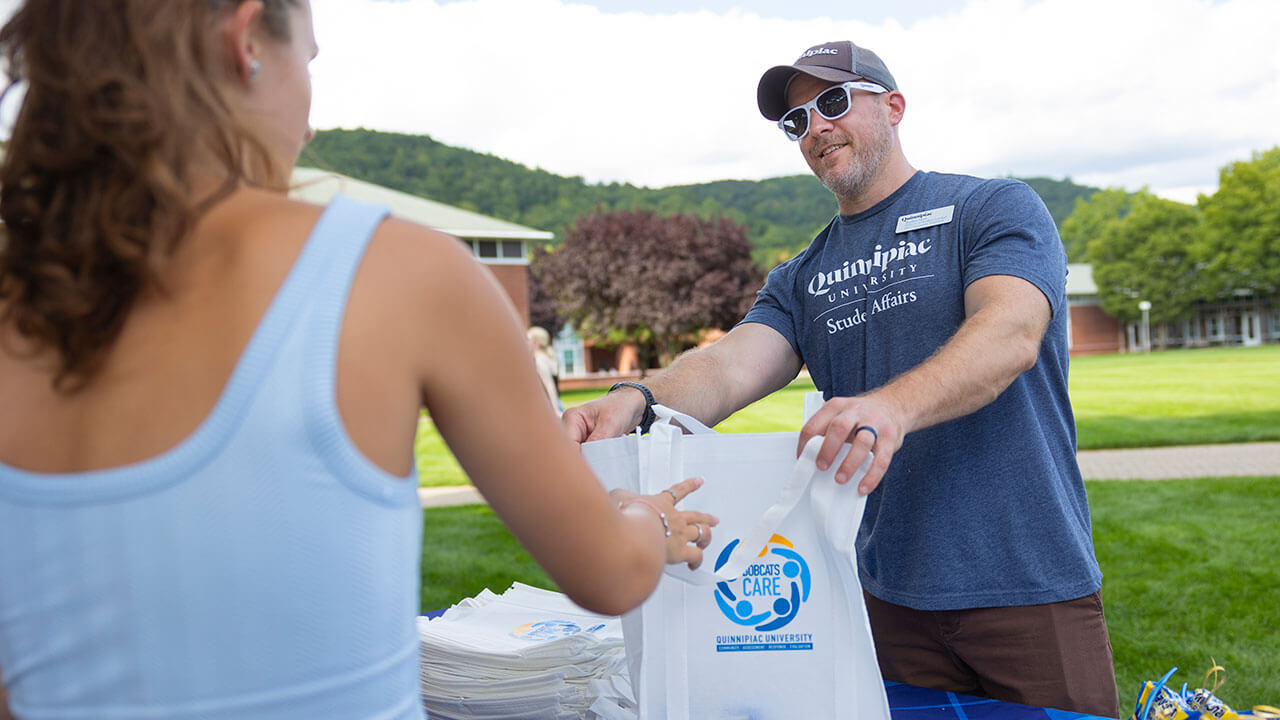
(833, 62)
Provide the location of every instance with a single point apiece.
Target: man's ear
(238, 37)
(897, 107)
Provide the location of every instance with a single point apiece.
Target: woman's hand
(688, 532)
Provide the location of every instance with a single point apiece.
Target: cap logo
(819, 51)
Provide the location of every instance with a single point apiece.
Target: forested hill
(781, 214)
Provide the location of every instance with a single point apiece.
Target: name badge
(928, 218)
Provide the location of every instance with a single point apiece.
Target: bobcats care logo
(769, 593)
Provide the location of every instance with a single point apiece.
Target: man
(932, 315)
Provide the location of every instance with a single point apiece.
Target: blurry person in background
(545, 363)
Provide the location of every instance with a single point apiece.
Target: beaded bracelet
(666, 529)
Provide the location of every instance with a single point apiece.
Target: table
(908, 702)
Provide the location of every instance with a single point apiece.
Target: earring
(255, 69)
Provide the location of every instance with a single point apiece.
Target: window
(1213, 326)
(501, 252)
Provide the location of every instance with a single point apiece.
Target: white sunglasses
(831, 103)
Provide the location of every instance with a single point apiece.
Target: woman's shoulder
(404, 262)
(256, 214)
(428, 260)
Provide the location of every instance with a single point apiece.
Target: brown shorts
(1055, 656)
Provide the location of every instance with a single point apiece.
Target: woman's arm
(485, 398)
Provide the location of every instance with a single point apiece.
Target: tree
(1059, 196)
(634, 276)
(779, 213)
(1153, 253)
(1242, 229)
(542, 305)
(1090, 215)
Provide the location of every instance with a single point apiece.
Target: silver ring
(674, 498)
(699, 538)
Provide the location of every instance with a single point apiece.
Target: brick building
(1090, 330)
(1245, 322)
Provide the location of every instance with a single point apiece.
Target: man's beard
(852, 179)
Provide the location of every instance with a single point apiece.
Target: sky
(1112, 93)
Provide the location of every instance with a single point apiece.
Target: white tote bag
(773, 626)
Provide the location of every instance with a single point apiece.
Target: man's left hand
(868, 424)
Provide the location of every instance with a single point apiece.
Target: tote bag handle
(666, 462)
(666, 416)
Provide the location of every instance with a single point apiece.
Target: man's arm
(1005, 322)
(709, 383)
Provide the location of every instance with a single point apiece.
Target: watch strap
(646, 421)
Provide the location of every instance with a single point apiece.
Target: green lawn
(1176, 397)
(466, 549)
(1190, 573)
(436, 465)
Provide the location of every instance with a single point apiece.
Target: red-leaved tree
(542, 306)
(635, 276)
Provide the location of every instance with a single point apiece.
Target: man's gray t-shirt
(985, 510)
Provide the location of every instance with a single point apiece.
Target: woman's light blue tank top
(263, 568)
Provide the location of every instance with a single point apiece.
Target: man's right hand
(613, 415)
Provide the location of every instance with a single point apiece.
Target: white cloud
(1154, 92)
(1112, 92)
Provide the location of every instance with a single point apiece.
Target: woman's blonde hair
(122, 99)
(539, 336)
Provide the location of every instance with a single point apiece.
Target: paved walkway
(1185, 461)
(444, 496)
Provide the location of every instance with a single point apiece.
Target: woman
(545, 365)
(207, 500)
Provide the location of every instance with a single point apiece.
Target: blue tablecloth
(907, 702)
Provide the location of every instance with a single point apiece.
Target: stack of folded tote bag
(527, 654)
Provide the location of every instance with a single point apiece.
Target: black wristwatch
(646, 421)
